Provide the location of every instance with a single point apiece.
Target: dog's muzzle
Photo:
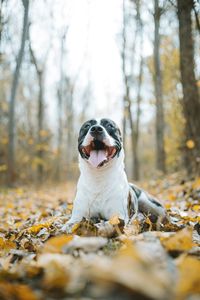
(98, 153)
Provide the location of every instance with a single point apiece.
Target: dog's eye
(87, 126)
(110, 126)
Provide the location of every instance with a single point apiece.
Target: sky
(93, 44)
(93, 50)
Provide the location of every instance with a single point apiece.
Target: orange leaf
(56, 244)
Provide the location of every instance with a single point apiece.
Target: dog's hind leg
(149, 206)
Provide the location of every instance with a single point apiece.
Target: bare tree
(127, 115)
(160, 149)
(136, 131)
(190, 101)
(40, 70)
(12, 102)
(70, 85)
(125, 78)
(1, 20)
(128, 83)
(60, 97)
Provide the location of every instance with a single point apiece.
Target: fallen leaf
(180, 241)
(190, 144)
(6, 245)
(56, 270)
(189, 279)
(56, 244)
(10, 291)
(36, 228)
(114, 220)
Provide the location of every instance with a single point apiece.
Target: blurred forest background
(65, 61)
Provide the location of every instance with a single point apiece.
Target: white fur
(101, 192)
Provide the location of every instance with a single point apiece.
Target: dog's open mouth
(98, 153)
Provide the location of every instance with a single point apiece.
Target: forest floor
(37, 261)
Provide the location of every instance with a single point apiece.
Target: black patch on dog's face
(114, 131)
(82, 133)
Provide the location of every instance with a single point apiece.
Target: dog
(103, 190)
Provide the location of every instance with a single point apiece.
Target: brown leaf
(16, 291)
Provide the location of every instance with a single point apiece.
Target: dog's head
(99, 142)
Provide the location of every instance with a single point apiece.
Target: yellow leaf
(19, 191)
(36, 228)
(38, 161)
(168, 205)
(75, 227)
(70, 206)
(6, 244)
(129, 250)
(196, 207)
(42, 147)
(114, 220)
(189, 278)
(190, 144)
(18, 224)
(56, 270)
(181, 241)
(3, 168)
(196, 184)
(4, 141)
(55, 244)
(30, 141)
(148, 221)
(43, 133)
(10, 205)
(171, 197)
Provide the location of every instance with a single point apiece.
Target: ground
(144, 261)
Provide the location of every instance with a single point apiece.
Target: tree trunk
(60, 136)
(190, 101)
(60, 108)
(40, 114)
(127, 103)
(1, 23)
(160, 150)
(135, 130)
(136, 170)
(123, 54)
(40, 152)
(70, 129)
(12, 102)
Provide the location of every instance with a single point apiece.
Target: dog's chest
(104, 200)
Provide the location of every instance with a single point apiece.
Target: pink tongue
(97, 157)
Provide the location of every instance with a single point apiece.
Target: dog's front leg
(70, 223)
(78, 213)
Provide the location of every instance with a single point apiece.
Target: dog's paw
(67, 228)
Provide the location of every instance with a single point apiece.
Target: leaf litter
(99, 260)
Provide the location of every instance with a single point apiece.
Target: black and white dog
(103, 190)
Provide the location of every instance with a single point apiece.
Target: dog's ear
(119, 134)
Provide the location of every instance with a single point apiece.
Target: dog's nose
(96, 129)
